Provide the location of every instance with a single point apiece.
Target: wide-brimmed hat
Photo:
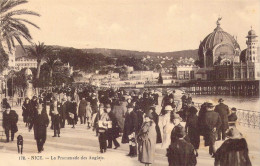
(220, 100)
(209, 104)
(168, 108)
(233, 133)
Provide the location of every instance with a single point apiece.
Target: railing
(246, 118)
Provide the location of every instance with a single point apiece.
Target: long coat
(119, 113)
(211, 120)
(181, 153)
(40, 124)
(192, 126)
(223, 111)
(131, 125)
(233, 152)
(63, 110)
(147, 141)
(113, 132)
(10, 121)
(167, 127)
(157, 128)
(88, 111)
(26, 111)
(82, 108)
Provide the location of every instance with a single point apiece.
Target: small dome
(251, 32)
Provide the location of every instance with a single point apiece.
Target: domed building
(219, 47)
(220, 57)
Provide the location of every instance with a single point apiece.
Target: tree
(39, 52)
(51, 61)
(160, 79)
(12, 27)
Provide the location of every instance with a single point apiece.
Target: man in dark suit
(62, 111)
(223, 111)
(10, 119)
(212, 123)
(130, 129)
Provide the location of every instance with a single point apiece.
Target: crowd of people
(136, 117)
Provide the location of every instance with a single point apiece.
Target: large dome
(216, 37)
(217, 46)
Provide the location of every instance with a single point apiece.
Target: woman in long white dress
(167, 126)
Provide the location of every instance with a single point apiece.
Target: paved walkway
(83, 143)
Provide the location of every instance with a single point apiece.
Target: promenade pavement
(83, 143)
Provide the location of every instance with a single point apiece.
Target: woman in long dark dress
(157, 128)
(26, 111)
(192, 127)
(40, 122)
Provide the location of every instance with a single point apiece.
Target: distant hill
(118, 52)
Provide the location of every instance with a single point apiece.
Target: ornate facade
(220, 56)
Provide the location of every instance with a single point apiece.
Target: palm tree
(51, 61)
(12, 27)
(39, 52)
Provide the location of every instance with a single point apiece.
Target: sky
(142, 25)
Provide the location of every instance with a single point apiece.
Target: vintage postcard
(130, 82)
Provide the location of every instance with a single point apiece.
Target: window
(192, 75)
(187, 75)
(181, 75)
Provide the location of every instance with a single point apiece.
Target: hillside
(118, 52)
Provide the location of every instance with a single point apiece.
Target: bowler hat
(180, 132)
(220, 100)
(233, 109)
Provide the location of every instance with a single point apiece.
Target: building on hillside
(104, 78)
(25, 62)
(221, 58)
(184, 69)
(184, 72)
(147, 76)
(167, 78)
